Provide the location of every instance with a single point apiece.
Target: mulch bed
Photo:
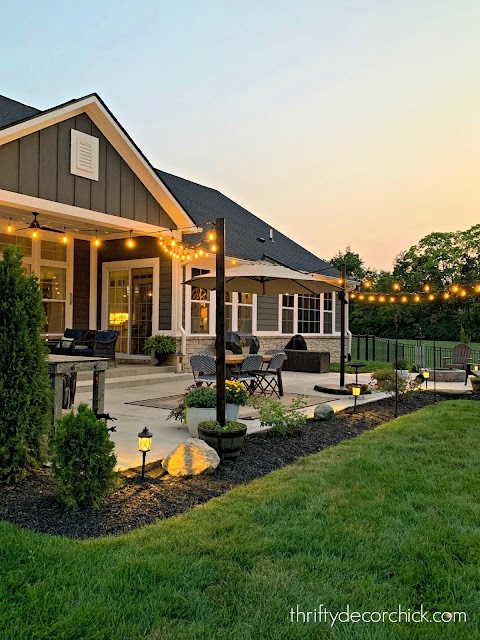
(34, 504)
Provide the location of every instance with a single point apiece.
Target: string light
(64, 239)
(426, 288)
(416, 298)
(382, 299)
(454, 288)
(392, 299)
(35, 233)
(234, 262)
(9, 228)
(396, 286)
(404, 299)
(130, 242)
(446, 295)
(431, 297)
(211, 236)
(371, 298)
(213, 248)
(97, 241)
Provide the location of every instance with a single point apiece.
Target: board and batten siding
(145, 247)
(81, 284)
(267, 313)
(39, 165)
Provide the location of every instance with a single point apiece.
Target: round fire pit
(448, 375)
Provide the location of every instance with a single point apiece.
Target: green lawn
(390, 518)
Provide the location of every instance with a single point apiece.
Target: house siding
(39, 165)
(81, 284)
(145, 247)
(267, 313)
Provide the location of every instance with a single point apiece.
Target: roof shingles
(12, 111)
(204, 204)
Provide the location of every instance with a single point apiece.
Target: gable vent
(84, 155)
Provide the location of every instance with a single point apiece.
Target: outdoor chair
(459, 358)
(75, 334)
(104, 344)
(246, 373)
(268, 381)
(203, 369)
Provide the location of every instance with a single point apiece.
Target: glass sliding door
(130, 307)
(118, 306)
(142, 307)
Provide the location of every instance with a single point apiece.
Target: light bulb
(9, 228)
(234, 261)
(97, 242)
(213, 248)
(200, 253)
(172, 243)
(211, 236)
(34, 234)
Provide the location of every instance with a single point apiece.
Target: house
(113, 239)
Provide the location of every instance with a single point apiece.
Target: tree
(353, 262)
(25, 394)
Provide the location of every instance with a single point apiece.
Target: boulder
(191, 458)
(323, 412)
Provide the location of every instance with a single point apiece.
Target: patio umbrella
(266, 279)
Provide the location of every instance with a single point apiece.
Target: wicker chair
(203, 369)
(246, 373)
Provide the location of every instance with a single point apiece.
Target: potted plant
(236, 396)
(475, 381)
(200, 404)
(401, 365)
(162, 346)
(244, 346)
(227, 441)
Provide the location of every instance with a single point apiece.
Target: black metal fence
(383, 350)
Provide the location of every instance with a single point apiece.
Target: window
(24, 243)
(338, 313)
(53, 251)
(288, 313)
(327, 313)
(200, 306)
(245, 312)
(309, 314)
(53, 285)
(229, 310)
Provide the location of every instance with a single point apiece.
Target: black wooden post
(434, 327)
(220, 318)
(396, 320)
(342, 296)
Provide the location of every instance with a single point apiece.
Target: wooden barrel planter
(227, 444)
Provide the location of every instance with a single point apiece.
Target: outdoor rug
(246, 413)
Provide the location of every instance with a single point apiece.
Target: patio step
(119, 382)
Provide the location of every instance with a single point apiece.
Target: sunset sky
(340, 123)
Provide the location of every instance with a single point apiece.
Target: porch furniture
(246, 373)
(269, 380)
(76, 334)
(97, 343)
(459, 358)
(203, 369)
(60, 366)
(307, 361)
(64, 347)
(356, 366)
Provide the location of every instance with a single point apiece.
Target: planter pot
(227, 444)
(196, 415)
(161, 358)
(245, 351)
(231, 411)
(475, 385)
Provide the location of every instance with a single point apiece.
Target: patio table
(60, 365)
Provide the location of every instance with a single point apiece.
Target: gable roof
(12, 111)
(30, 120)
(242, 228)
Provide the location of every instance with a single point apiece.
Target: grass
(386, 519)
(370, 366)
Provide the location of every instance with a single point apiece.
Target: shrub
(201, 397)
(230, 425)
(83, 461)
(25, 394)
(401, 364)
(235, 393)
(280, 418)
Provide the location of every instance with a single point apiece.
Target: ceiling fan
(36, 226)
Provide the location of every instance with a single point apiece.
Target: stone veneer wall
(321, 343)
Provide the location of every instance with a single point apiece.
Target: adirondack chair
(459, 358)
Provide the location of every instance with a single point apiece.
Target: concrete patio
(130, 383)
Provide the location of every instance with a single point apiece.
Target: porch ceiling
(112, 226)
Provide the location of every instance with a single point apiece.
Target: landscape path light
(144, 445)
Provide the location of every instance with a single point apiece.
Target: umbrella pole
(343, 301)
(220, 318)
